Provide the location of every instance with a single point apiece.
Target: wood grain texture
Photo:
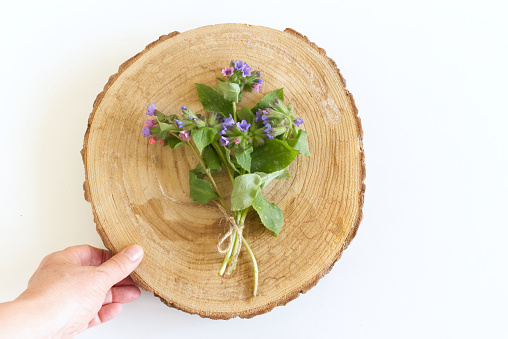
(139, 192)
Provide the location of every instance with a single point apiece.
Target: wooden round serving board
(140, 193)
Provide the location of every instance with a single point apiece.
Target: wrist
(19, 320)
(29, 317)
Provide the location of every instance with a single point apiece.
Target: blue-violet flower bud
(146, 132)
(298, 122)
(150, 109)
(243, 126)
(238, 65)
(224, 141)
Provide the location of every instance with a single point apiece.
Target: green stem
(235, 253)
(224, 161)
(234, 110)
(254, 262)
(209, 176)
(228, 255)
(244, 215)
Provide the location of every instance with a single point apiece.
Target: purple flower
(224, 141)
(150, 109)
(228, 71)
(298, 122)
(238, 65)
(184, 135)
(259, 115)
(245, 70)
(183, 108)
(146, 132)
(268, 127)
(256, 87)
(178, 124)
(259, 74)
(243, 126)
(269, 136)
(259, 81)
(190, 117)
(149, 123)
(228, 121)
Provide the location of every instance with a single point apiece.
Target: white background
(430, 82)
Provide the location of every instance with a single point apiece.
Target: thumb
(122, 264)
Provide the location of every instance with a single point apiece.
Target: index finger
(86, 255)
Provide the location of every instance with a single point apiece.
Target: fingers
(85, 255)
(106, 313)
(121, 265)
(124, 294)
(126, 282)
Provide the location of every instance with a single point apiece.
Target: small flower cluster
(240, 73)
(279, 120)
(165, 127)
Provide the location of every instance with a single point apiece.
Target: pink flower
(161, 141)
(256, 87)
(237, 141)
(184, 135)
(228, 71)
(148, 123)
(152, 141)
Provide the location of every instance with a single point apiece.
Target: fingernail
(133, 252)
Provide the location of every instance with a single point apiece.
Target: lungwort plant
(252, 145)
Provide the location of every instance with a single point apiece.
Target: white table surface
(430, 81)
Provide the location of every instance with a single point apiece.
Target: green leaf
(243, 158)
(268, 99)
(155, 130)
(245, 114)
(270, 214)
(245, 189)
(211, 159)
(199, 171)
(162, 135)
(203, 137)
(221, 80)
(273, 156)
(268, 177)
(201, 190)
(229, 90)
(168, 127)
(213, 100)
(173, 143)
(164, 126)
(227, 152)
(300, 143)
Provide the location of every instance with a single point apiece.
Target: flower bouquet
(252, 145)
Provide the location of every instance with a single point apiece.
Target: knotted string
(229, 234)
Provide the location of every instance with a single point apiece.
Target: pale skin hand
(72, 290)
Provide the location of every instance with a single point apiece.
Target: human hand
(72, 290)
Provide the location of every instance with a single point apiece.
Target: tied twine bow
(230, 234)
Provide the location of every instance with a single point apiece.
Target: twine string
(229, 236)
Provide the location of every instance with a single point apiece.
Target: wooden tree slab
(140, 194)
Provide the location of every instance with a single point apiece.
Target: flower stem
(224, 161)
(216, 188)
(254, 262)
(228, 255)
(234, 110)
